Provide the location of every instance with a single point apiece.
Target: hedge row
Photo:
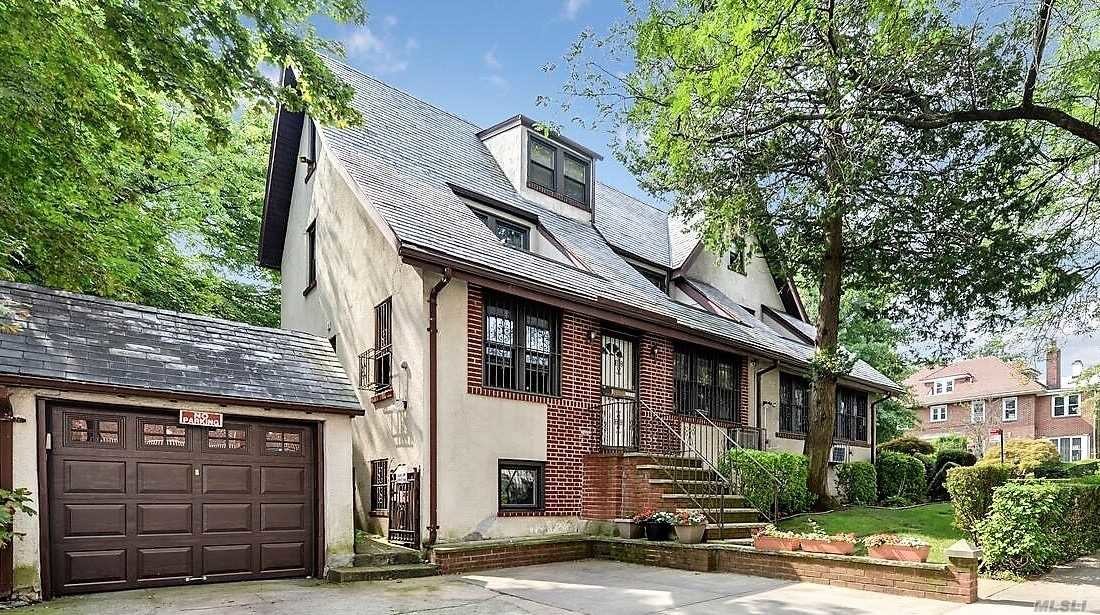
(971, 491)
(753, 471)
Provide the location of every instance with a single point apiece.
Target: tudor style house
(972, 397)
(525, 338)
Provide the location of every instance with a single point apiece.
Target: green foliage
(910, 445)
(856, 482)
(943, 461)
(930, 523)
(755, 471)
(126, 167)
(971, 490)
(900, 475)
(1027, 456)
(951, 442)
(1085, 467)
(1034, 526)
(11, 504)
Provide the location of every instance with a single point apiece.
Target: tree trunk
(819, 440)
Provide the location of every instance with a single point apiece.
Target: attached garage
(132, 495)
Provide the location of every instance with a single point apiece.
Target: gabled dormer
(549, 169)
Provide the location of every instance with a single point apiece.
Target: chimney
(1054, 368)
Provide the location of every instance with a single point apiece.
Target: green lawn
(931, 522)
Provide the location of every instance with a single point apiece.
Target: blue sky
(483, 60)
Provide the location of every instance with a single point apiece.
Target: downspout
(872, 427)
(759, 404)
(433, 330)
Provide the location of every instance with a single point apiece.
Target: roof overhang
(282, 163)
(523, 120)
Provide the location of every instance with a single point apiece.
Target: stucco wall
(358, 268)
(337, 488)
(755, 287)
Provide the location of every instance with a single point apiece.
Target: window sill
(488, 391)
(698, 420)
(512, 512)
(1065, 416)
(558, 195)
(790, 435)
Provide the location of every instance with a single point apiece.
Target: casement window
(659, 280)
(521, 485)
(1065, 405)
(379, 487)
(943, 386)
(937, 414)
(509, 233)
(522, 345)
(794, 404)
(1009, 409)
(709, 381)
(553, 170)
(311, 257)
(851, 415)
(977, 411)
(1072, 448)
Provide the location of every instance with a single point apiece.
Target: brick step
(729, 515)
(689, 473)
(368, 560)
(381, 573)
(687, 482)
(704, 500)
(670, 460)
(731, 530)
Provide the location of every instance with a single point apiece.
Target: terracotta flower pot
(834, 547)
(629, 529)
(690, 534)
(901, 553)
(657, 531)
(774, 543)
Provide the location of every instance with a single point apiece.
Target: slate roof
(65, 337)
(405, 157)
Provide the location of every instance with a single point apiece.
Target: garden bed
(930, 522)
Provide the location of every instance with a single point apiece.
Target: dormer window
(946, 385)
(509, 233)
(554, 171)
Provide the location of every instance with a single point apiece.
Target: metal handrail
(779, 484)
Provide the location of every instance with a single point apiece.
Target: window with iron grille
(379, 486)
(794, 403)
(851, 415)
(522, 345)
(709, 381)
(376, 364)
(509, 233)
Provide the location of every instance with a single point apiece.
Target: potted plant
(628, 528)
(818, 541)
(690, 526)
(657, 523)
(899, 548)
(771, 538)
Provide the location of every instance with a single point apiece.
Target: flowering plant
(877, 540)
(663, 516)
(690, 517)
(774, 532)
(643, 516)
(818, 533)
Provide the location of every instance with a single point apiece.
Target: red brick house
(973, 396)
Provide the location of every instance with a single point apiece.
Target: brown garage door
(138, 501)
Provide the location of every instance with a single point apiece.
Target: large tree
(812, 125)
(126, 169)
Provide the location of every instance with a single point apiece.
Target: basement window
(521, 485)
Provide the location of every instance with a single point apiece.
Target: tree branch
(1042, 28)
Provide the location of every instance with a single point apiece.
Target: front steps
(380, 561)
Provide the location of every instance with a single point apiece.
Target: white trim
(1084, 445)
(1015, 409)
(981, 416)
(1065, 406)
(932, 413)
(943, 386)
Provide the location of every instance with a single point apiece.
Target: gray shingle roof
(60, 336)
(405, 156)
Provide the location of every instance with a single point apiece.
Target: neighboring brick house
(520, 331)
(973, 396)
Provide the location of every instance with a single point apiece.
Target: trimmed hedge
(1038, 457)
(791, 469)
(910, 445)
(937, 489)
(1033, 526)
(900, 477)
(971, 490)
(856, 482)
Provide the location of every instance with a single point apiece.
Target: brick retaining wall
(954, 582)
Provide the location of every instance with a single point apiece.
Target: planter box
(899, 553)
(834, 547)
(657, 531)
(629, 529)
(690, 534)
(772, 543)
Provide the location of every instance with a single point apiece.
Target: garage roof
(53, 336)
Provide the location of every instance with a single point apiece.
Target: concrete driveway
(590, 586)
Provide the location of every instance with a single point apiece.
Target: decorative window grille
(709, 381)
(376, 364)
(522, 345)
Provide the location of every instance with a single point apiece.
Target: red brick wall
(615, 488)
(1048, 426)
(501, 555)
(958, 418)
(656, 388)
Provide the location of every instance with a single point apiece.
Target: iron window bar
(522, 345)
(374, 370)
(708, 382)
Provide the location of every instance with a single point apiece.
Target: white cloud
(378, 51)
(497, 81)
(390, 21)
(491, 60)
(572, 7)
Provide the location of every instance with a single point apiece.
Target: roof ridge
(43, 290)
(399, 90)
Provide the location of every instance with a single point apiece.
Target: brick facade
(615, 488)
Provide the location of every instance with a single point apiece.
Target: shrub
(1087, 467)
(757, 485)
(971, 491)
(951, 442)
(1034, 526)
(910, 445)
(929, 462)
(12, 503)
(944, 460)
(1026, 455)
(900, 475)
(856, 482)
